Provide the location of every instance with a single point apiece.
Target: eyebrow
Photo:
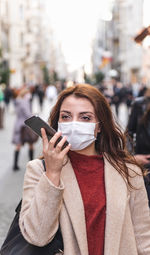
(79, 113)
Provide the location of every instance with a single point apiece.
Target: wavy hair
(110, 141)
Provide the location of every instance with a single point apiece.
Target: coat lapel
(75, 207)
(116, 197)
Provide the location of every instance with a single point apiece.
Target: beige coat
(127, 229)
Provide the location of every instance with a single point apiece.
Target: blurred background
(48, 45)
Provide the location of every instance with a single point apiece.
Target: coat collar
(116, 198)
(116, 195)
(74, 204)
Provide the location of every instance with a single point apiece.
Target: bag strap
(43, 161)
(18, 208)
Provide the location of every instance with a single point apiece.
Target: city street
(10, 181)
(47, 47)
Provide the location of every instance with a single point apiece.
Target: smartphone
(36, 123)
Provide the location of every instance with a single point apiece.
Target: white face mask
(79, 134)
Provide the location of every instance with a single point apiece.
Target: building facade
(130, 54)
(24, 40)
(116, 36)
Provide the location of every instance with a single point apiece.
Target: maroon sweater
(89, 171)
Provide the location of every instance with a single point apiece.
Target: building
(23, 40)
(4, 34)
(116, 38)
(103, 42)
(130, 54)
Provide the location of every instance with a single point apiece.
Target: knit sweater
(89, 171)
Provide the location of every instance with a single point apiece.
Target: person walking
(138, 129)
(8, 94)
(1, 108)
(92, 189)
(23, 111)
(51, 93)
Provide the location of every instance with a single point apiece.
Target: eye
(65, 117)
(86, 118)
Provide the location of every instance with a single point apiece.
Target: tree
(46, 76)
(53, 77)
(99, 76)
(4, 70)
(95, 78)
(87, 78)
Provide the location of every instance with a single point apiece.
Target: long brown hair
(110, 141)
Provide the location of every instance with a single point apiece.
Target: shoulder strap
(18, 208)
(43, 161)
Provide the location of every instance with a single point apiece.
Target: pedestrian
(116, 99)
(93, 189)
(129, 97)
(1, 108)
(51, 93)
(138, 128)
(8, 94)
(40, 93)
(23, 111)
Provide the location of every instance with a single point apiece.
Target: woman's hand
(142, 159)
(54, 156)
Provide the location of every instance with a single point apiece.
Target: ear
(99, 128)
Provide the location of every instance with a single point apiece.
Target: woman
(23, 111)
(91, 188)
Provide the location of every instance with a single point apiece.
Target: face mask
(79, 134)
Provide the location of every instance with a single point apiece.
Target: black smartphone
(36, 123)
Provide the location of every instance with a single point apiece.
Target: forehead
(73, 103)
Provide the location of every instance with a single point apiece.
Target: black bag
(15, 244)
(27, 135)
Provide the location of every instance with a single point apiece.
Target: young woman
(23, 111)
(92, 188)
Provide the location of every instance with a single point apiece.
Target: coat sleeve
(41, 205)
(140, 214)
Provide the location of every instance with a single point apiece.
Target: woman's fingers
(51, 145)
(65, 150)
(53, 140)
(44, 137)
(60, 144)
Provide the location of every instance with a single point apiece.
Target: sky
(146, 21)
(74, 23)
(146, 9)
